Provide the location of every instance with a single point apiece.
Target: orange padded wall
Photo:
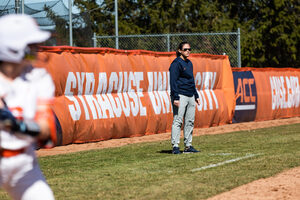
(104, 93)
(278, 92)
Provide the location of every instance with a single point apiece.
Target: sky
(45, 23)
(66, 2)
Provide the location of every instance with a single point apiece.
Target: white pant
(184, 113)
(22, 178)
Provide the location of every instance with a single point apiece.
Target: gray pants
(186, 111)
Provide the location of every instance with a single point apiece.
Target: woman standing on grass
(184, 97)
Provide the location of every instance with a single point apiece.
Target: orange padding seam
(265, 69)
(104, 50)
(6, 153)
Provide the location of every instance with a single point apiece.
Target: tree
(270, 29)
(277, 31)
(82, 29)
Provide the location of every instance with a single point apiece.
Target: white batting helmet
(16, 33)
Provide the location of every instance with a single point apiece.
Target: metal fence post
(23, 7)
(95, 40)
(17, 6)
(70, 23)
(239, 48)
(168, 42)
(116, 24)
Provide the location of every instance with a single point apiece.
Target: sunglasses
(185, 49)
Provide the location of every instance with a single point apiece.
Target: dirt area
(284, 186)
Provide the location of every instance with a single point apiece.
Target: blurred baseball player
(25, 114)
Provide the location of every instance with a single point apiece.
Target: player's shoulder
(177, 63)
(4, 84)
(34, 74)
(40, 80)
(176, 60)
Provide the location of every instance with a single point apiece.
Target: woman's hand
(198, 101)
(176, 103)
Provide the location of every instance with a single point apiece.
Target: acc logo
(246, 97)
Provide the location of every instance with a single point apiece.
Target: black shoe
(176, 150)
(190, 149)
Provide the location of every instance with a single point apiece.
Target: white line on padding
(245, 107)
(224, 162)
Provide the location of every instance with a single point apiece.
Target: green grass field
(150, 171)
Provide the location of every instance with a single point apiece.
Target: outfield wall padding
(273, 93)
(246, 96)
(104, 93)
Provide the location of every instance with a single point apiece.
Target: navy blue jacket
(182, 79)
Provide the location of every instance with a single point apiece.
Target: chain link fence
(212, 43)
(55, 16)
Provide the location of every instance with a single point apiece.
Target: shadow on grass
(166, 151)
